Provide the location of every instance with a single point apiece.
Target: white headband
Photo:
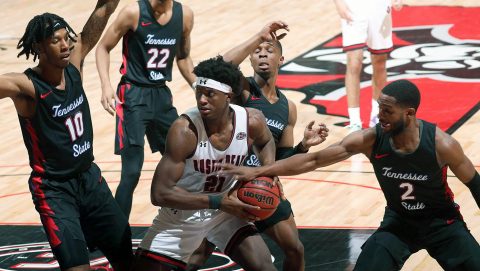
(210, 83)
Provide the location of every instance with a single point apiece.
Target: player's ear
(37, 48)
(280, 63)
(411, 112)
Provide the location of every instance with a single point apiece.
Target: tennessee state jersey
(59, 136)
(201, 173)
(149, 51)
(276, 114)
(413, 183)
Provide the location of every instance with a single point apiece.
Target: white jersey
(201, 170)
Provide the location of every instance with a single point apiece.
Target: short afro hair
(405, 93)
(218, 69)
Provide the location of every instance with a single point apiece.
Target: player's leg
(103, 222)
(453, 246)
(379, 44)
(281, 228)
(55, 201)
(354, 35)
(131, 120)
(383, 251)
(200, 255)
(150, 261)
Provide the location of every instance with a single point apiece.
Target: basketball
(260, 192)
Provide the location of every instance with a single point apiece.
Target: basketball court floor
(437, 46)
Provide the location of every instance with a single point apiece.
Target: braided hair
(40, 28)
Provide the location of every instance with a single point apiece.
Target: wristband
(474, 186)
(194, 85)
(214, 201)
(300, 148)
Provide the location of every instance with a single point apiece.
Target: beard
(398, 127)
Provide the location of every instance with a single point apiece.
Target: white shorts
(178, 233)
(371, 26)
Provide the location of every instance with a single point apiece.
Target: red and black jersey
(413, 183)
(149, 51)
(59, 136)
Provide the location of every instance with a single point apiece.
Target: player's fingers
(310, 125)
(281, 36)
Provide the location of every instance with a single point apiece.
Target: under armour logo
(203, 144)
(202, 81)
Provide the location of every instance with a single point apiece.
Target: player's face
(56, 49)
(211, 103)
(392, 117)
(266, 59)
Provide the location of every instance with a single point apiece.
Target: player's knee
(295, 250)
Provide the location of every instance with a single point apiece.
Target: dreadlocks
(38, 29)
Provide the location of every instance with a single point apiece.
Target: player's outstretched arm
(358, 142)
(92, 30)
(126, 20)
(449, 152)
(13, 85)
(184, 61)
(237, 54)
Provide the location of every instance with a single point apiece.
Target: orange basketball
(260, 192)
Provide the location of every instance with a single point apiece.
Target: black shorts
(447, 240)
(283, 212)
(81, 212)
(144, 111)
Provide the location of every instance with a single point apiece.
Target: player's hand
(108, 99)
(314, 135)
(243, 173)
(343, 11)
(232, 205)
(397, 4)
(269, 32)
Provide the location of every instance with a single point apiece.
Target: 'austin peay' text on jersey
(413, 183)
(149, 51)
(201, 174)
(276, 115)
(59, 135)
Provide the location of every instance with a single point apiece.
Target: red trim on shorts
(38, 158)
(354, 47)
(160, 258)
(120, 114)
(45, 212)
(381, 51)
(241, 233)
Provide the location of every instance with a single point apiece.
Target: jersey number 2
(152, 64)
(408, 193)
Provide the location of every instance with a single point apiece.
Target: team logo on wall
(434, 47)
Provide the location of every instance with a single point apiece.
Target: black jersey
(149, 51)
(59, 136)
(276, 114)
(413, 184)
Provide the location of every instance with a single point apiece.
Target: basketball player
(365, 24)
(154, 33)
(76, 206)
(194, 198)
(410, 158)
(261, 93)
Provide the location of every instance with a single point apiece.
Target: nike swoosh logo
(380, 156)
(44, 95)
(146, 23)
(253, 98)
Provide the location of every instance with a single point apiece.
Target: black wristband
(214, 201)
(300, 148)
(474, 186)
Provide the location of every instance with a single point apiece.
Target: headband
(210, 83)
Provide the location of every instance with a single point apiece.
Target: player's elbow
(158, 198)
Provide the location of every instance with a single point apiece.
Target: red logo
(146, 23)
(44, 95)
(253, 98)
(380, 156)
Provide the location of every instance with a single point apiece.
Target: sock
(354, 114)
(374, 112)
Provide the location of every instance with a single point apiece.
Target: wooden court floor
(344, 195)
